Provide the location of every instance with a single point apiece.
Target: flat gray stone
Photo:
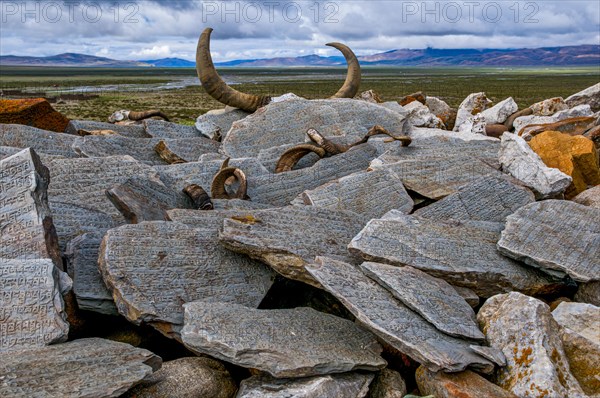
(41, 141)
(141, 149)
(238, 204)
(589, 197)
(470, 296)
(287, 122)
(460, 252)
(347, 385)
(296, 342)
(186, 150)
(217, 123)
(589, 96)
(371, 194)
(131, 131)
(32, 311)
(500, 112)
(92, 368)
(162, 129)
(433, 298)
(171, 264)
(557, 236)
(487, 199)
(289, 238)
(377, 310)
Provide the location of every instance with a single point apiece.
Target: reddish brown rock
(32, 112)
(418, 96)
(465, 384)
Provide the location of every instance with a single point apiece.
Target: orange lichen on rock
(36, 112)
(575, 156)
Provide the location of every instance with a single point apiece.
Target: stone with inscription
(8, 151)
(171, 264)
(41, 141)
(556, 236)
(186, 150)
(270, 156)
(215, 124)
(32, 310)
(347, 385)
(433, 298)
(289, 238)
(238, 204)
(298, 342)
(93, 146)
(131, 130)
(371, 194)
(460, 252)
(487, 199)
(91, 368)
(377, 310)
(25, 218)
(162, 129)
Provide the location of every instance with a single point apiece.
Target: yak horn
(292, 156)
(352, 83)
(215, 86)
(511, 119)
(217, 189)
(136, 116)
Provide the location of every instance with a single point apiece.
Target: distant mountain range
(584, 55)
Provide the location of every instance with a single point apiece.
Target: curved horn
(331, 148)
(199, 197)
(217, 189)
(511, 119)
(292, 156)
(215, 86)
(352, 83)
(147, 114)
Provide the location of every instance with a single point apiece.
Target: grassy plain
(88, 93)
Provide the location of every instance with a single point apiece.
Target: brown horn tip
(292, 156)
(215, 86)
(352, 83)
(136, 116)
(218, 190)
(199, 197)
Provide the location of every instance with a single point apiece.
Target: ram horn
(199, 197)
(511, 119)
(352, 83)
(136, 116)
(292, 156)
(331, 148)
(217, 189)
(215, 86)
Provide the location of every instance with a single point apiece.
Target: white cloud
(155, 51)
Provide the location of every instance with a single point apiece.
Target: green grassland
(82, 93)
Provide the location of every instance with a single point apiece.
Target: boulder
(419, 115)
(524, 329)
(370, 96)
(572, 126)
(387, 384)
(549, 107)
(298, 342)
(414, 97)
(93, 146)
(500, 112)
(185, 149)
(589, 293)
(472, 105)
(32, 112)
(130, 131)
(41, 141)
(215, 124)
(583, 110)
(442, 110)
(465, 384)
(167, 130)
(589, 96)
(473, 125)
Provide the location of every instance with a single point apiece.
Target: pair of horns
(219, 90)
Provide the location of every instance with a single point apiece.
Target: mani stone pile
(466, 264)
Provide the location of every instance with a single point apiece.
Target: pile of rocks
(375, 270)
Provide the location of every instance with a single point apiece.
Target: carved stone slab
(216, 123)
(26, 227)
(347, 385)
(287, 122)
(8, 151)
(185, 150)
(32, 311)
(289, 238)
(297, 342)
(270, 156)
(376, 309)
(42, 141)
(171, 264)
(93, 368)
(460, 252)
(161, 129)
(556, 236)
(82, 265)
(131, 131)
(93, 146)
(487, 199)
(238, 204)
(433, 298)
(371, 194)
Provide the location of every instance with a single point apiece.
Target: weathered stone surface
(238, 204)
(577, 111)
(216, 124)
(465, 384)
(32, 112)
(186, 378)
(474, 103)
(186, 149)
(433, 298)
(460, 252)
(500, 112)
(162, 129)
(376, 309)
(82, 265)
(442, 110)
(531, 120)
(296, 342)
(41, 141)
(589, 293)
(387, 384)
(575, 156)
(421, 116)
(369, 96)
(347, 385)
(270, 156)
(590, 96)
(581, 340)
(93, 146)
(423, 132)
(557, 236)
(8, 151)
(25, 218)
(32, 312)
(468, 295)
(131, 131)
(287, 122)
(371, 194)
(520, 161)
(549, 107)
(589, 197)
(571, 126)
(289, 238)
(473, 125)
(523, 328)
(82, 368)
(487, 199)
(172, 264)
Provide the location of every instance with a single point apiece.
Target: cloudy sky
(263, 29)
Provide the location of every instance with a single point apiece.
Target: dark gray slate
(91, 368)
(557, 236)
(141, 149)
(131, 131)
(171, 264)
(296, 342)
(289, 238)
(187, 149)
(162, 129)
(42, 141)
(376, 309)
(460, 252)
